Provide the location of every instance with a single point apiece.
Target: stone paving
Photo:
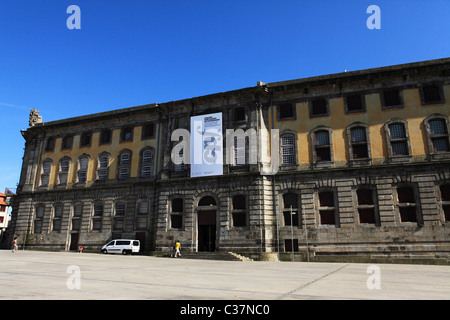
(68, 276)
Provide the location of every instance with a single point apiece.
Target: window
(287, 149)
(97, 217)
(327, 212)
(85, 139)
(50, 144)
(45, 174)
(179, 167)
(119, 216)
(318, 107)
(239, 211)
(83, 163)
(406, 204)
(39, 217)
(239, 114)
(124, 165)
(438, 137)
(57, 216)
(102, 167)
(354, 103)
(322, 151)
(148, 131)
(146, 163)
(142, 217)
(397, 139)
(105, 136)
(176, 216)
(63, 171)
(286, 111)
(240, 151)
(359, 148)
(445, 200)
(290, 201)
(126, 134)
(67, 143)
(76, 219)
(366, 206)
(432, 94)
(392, 99)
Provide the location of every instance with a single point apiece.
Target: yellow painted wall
(114, 148)
(375, 117)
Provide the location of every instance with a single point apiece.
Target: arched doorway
(207, 227)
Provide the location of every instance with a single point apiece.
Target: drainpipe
(274, 197)
(155, 213)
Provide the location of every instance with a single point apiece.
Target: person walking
(177, 249)
(14, 245)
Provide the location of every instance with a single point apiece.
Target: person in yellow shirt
(177, 249)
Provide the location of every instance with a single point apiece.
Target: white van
(123, 246)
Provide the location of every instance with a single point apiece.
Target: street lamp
(292, 234)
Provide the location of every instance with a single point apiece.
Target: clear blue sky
(134, 52)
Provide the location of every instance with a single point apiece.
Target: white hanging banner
(206, 145)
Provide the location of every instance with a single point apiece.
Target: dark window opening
(286, 111)
(207, 201)
(67, 143)
(405, 195)
(177, 205)
(288, 245)
(366, 215)
(354, 103)
(327, 217)
(239, 202)
(126, 134)
(148, 131)
(431, 94)
(239, 219)
(392, 98)
(105, 136)
(326, 199)
(290, 218)
(319, 107)
(445, 192)
(239, 114)
(50, 145)
(176, 221)
(408, 214)
(85, 139)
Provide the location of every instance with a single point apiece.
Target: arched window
(438, 135)
(83, 163)
(322, 146)
(397, 136)
(207, 201)
(63, 170)
(287, 149)
(45, 172)
(124, 165)
(102, 167)
(146, 163)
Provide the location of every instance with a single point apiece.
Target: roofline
(259, 85)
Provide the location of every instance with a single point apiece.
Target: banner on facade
(206, 145)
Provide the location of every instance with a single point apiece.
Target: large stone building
(364, 169)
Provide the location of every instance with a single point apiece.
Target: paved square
(64, 275)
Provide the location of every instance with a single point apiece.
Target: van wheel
(124, 252)
(104, 251)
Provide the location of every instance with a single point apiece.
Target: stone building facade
(364, 169)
